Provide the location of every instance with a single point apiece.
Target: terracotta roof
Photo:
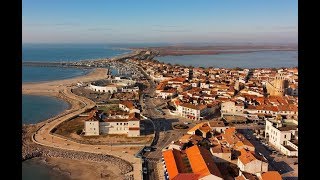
(246, 156)
(174, 162)
(191, 106)
(134, 128)
(220, 149)
(194, 128)
(201, 162)
(205, 128)
(178, 79)
(186, 176)
(239, 178)
(161, 85)
(185, 138)
(216, 124)
(171, 90)
(128, 104)
(271, 175)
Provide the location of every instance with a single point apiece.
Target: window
(117, 123)
(285, 136)
(94, 128)
(120, 123)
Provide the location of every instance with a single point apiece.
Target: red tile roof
(174, 162)
(128, 104)
(192, 106)
(201, 162)
(271, 175)
(186, 176)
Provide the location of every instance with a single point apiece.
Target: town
(196, 123)
(188, 122)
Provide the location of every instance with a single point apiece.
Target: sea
(39, 108)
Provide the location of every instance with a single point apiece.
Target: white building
(282, 137)
(128, 106)
(252, 163)
(231, 108)
(191, 111)
(167, 93)
(129, 125)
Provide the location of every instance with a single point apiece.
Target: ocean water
(34, 169)
(69, 52)
(261, 59)
(36, 74)
(38, 108)
(64, 52)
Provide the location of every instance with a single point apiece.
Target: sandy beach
(52, 87)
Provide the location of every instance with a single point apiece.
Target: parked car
(145, 170)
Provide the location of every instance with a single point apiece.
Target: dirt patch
(80, 169)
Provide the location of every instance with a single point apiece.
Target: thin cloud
(54, 24)
(161, 30)
(100, 29)
(166, 26)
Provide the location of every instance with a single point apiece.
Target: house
(235, 140)
(192, 111)
(282, 137)
(165, 94)
(232, 108)
(249, 162)
(221, 154)
(128, 106)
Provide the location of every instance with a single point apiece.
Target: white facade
(280, 139)
(129, 127)
(191, 113)
(102, 89)
(91, 128)
(230, 108)
(165, 94)
(134, 89)
(253, 167)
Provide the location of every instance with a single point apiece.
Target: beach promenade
(62, 89)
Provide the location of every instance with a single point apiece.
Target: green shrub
(79, 131)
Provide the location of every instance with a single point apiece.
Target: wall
(91, 128)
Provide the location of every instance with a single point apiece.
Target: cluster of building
(123, 120)
(253, 94)
(208, 148)
(113, 85)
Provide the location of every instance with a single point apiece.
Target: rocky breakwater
(30, 150)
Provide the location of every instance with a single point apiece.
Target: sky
(172, 21)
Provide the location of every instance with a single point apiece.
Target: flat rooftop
(290, 148)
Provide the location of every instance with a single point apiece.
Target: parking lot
(286, 166)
